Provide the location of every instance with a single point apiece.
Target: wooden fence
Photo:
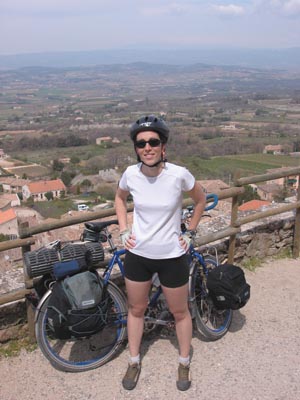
(27, 233)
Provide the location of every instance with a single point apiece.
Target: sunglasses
(141, 144)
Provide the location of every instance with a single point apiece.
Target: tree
(248, 195)
(66, 178)
(86, 184)
(3, 237)
(281, 195)
(74, 160)
(49, 196)
(57, 165)
(296, 145)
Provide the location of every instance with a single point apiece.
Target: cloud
(172, 9)
(291, 7)
(58, 7)
(229, 10)
(285, 8)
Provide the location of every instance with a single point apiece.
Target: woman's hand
(186, 239)
(128, 239)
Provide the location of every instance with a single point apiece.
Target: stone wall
(261, 239)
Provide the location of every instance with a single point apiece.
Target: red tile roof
(7, 215)
(46, 186)
(253, 205)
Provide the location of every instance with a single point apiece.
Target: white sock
(134, 360)
(184, 360)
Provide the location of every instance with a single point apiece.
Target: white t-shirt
(157, 209)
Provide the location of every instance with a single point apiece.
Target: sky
(36, 26)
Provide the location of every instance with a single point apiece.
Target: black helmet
(150, 123)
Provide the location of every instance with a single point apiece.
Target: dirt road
(259, 359)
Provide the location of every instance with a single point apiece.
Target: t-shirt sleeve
(123, 182)
(188, 180)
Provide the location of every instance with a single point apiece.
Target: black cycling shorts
(172, 272)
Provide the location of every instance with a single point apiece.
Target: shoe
(131, 377)
(184, 377)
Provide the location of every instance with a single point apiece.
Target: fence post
(296, 244)
(29, 308)
(234, 217)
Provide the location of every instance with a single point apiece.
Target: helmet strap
(154, 165)
(162, 160)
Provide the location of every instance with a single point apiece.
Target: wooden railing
(27, 233)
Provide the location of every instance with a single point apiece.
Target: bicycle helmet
(150, 123)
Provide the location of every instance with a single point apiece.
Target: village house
(268, 191)
(38, 190)
(103, 139)
(213, 185)
(254, 205)
(8, 200)
(65, 160)
(2, 154)
(285, 181)
(230, 127)
(273, 149)
(9, 223)
(12, 184)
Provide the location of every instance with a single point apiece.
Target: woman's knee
(181, 314)
(137, 310)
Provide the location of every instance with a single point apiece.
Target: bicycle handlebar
(215, 200)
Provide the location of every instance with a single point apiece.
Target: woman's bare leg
(177, 299)
(137, 295)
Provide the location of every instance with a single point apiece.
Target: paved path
(259, 359)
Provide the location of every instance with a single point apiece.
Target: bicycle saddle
(99, 226)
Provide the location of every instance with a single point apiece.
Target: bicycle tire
(210, 322)
(77, 355)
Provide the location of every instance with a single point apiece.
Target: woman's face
(151, 153)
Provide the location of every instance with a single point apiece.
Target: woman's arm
(128, 239)
(121, 208)
(199, 197)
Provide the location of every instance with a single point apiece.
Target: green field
(226, 167)
(54, 208)
(45, 156)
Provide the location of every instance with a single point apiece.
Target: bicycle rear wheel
(210, 322)
(77, 355)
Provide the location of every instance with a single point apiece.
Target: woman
(155, 242)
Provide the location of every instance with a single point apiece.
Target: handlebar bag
(78, 306)
(228, 287)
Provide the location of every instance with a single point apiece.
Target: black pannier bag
(228, 287)
(78, 306)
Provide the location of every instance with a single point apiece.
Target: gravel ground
(258, 359)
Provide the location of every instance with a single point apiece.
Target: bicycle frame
(116, 259)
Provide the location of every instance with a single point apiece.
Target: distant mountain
(258, 58)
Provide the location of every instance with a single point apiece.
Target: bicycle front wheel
(82, 354)
(210, 322)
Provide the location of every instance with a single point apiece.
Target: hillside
(221, 117)
(261, 58)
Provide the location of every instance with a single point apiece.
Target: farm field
(250, 164)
